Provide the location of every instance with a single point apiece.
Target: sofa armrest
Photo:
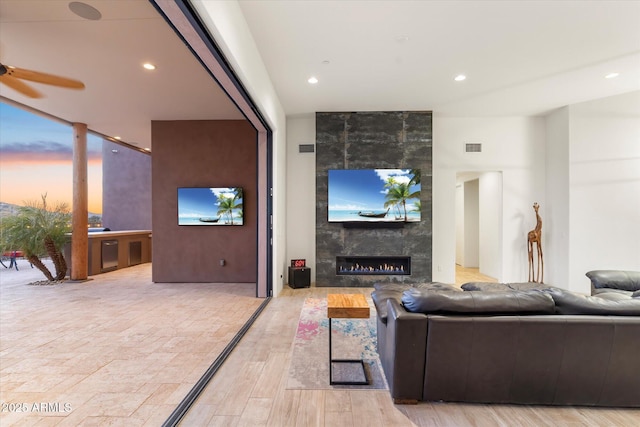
(380, 298)
(403, 357)
(614, 279)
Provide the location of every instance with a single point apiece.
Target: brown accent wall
(203, 153)
(126, 188)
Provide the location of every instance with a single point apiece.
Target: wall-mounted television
(374, 195)
(210, 206)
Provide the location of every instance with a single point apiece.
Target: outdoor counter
(113, 250)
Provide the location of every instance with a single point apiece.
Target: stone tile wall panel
(366, 140)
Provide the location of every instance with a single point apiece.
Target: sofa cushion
(384, 291)
(571, 303)
(437, 286)
(528, 286)
(426, 285)
(493, 286)
(614, 296)
(505, 302)
(615, 279)
(598, 291)
(485, 286)
(636, 294)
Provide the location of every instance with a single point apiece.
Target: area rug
(351, 339)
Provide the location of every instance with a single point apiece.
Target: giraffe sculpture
(535, 237)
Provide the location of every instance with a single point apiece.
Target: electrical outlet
(222, 262)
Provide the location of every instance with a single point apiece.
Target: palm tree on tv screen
(390, 184)
(417, 206)
(227, 204)
(399, 192)
(416, 176)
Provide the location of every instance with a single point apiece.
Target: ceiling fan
(12, 77)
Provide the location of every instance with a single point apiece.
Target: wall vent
(474, 147)
(306, 148)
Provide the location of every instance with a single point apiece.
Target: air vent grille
(473, 147)
(306, 148)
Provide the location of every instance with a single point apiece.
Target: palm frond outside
(39, 231)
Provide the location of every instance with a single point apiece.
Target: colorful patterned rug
(351, 339)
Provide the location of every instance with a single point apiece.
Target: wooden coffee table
(346, 306)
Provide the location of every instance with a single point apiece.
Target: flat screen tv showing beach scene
(210, 206)
(374, 195)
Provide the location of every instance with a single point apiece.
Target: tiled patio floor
(117, 349)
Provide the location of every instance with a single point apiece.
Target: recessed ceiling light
(312, 80)
(326, 62)
(149, 66)
(84, 10)
(460, 77)
(402, 38)
(116, 137)
(611, 75)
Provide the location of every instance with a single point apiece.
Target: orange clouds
(28, 181)
(16, 155)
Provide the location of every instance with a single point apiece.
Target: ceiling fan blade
(19, 86)
(49, 79)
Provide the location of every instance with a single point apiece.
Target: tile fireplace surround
(380, 265)
(373, 140)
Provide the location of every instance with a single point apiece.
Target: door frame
(188, 26)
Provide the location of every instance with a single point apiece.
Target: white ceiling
(120, 98)
(520, 57)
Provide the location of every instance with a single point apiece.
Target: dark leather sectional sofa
(521, 343)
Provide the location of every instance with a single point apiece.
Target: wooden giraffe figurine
(535, 236)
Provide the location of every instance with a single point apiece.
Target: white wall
(512, 146)
(490, 218)
(590, 221)
(556, 227)
(467, 221)
(301, 192)
(459, 224)
(487, 214)
(227, 25)
(471, 224)
(604, 185)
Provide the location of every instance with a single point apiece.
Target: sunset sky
(36, 159)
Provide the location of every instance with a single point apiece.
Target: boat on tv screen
(374, 195)
(210, 206)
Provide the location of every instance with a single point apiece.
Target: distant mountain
(7, 209)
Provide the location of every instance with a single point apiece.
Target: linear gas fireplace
(379, 265)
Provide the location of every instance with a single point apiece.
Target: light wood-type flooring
(121, 350)
(250, 390)
(464, 275)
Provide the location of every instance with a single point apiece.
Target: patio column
(80, 215)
